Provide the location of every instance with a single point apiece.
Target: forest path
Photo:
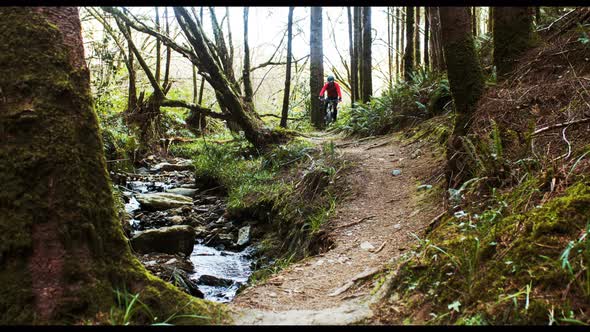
(320, 289)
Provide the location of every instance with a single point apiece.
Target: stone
(183, 191)
(184, 165)
(396, 172)
(171, 240)
(188, 186)
(162, 201)
(243, 236)
(367, 246)
(416, 154)
(210, 280)
(176, 220)
(201, 231)
(424, 187)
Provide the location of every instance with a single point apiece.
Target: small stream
(216, 265)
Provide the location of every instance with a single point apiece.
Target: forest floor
(371, 227)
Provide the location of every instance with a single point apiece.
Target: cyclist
(334, 95)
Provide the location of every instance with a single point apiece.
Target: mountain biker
(334, 95)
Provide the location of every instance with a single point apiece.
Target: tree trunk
(285, 111)
(426, 38)
(316, 67)
(366, 63)
(389, 48)
(354, 72)
(358, 48)
(513, 34)
(158, 46)
(409, 52)
(474, 21)
(537, 15)
(398, 42)
(436, 49)
(418, 48)
(62, 248)
(248, 94)
(166, 83)
(465, 80)
(491, 20)
(132, 92)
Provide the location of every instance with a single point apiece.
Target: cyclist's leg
(335, 115)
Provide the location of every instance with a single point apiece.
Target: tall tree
(465, 80)
(202, 53)
(398, 41)
(354, 71)
(474, 21)
(249, 94)
(366, 63)
(62, 248)
(513, 34)
(316, 66)
(158, 46)
(409, 52)
(389, 47)
(358, 48)
(166, 84)
(285, 111)
(417, 46)
(426, 38)
(436, 49)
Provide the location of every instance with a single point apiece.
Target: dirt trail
(304, 293)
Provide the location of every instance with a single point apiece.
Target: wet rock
(214, 281)
(243, 236)
(424, 187)
(183, 191)
(162, 201)
(185, 165)
(188, 186)
(177, 220)
(201, 231)
(172, 240)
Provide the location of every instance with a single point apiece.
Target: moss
(55, 185)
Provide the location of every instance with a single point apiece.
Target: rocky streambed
(179, 232)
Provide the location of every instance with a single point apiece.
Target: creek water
(208, 260)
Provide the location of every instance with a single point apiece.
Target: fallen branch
(560, 125)
(355, 222)
(380, 247)
(377, 145)
(360, 276)
(278, 117)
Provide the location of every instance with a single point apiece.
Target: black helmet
(330, 78)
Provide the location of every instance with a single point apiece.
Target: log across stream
(164, 202)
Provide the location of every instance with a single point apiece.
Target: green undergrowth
(406, 104)
(290, 191)
(507, 264)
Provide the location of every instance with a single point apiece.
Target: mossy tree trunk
(366, 63)
(409, 51)
(354, 72)
(358, 48)
(62, 250)
(286, 93)
(513, 34)
(466, 83)
(417, 48)
(316, 66)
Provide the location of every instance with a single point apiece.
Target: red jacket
(333, 90)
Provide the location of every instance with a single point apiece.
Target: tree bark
(62, 248)
(248, 94)
(285, 111)
(389, 48)
(465, 80)
(436, 49)
(166, 83)
(398, 42)
(426, 38)
(513, 34)
(358, 48)
(366, 63)
(353, 59)
(316, 69)
(409, 52)
(158, 46)
(418, 49)
(132, 91)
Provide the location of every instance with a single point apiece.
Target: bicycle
(332, 104)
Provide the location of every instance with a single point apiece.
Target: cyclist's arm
(338, 90)
(323, 89)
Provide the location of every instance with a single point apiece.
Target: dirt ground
(370, 229)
